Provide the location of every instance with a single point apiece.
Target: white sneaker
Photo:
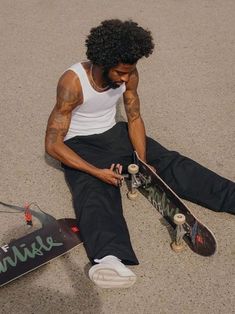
(110, 272)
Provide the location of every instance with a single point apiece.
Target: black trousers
(98, 205)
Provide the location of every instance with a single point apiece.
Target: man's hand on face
(112, 176)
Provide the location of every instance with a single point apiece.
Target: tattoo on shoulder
(65, 94)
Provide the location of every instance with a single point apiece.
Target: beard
(108, 81)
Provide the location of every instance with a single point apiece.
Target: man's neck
(96, 75)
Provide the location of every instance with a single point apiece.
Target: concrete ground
(187, 95)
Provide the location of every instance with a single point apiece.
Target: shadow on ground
(67, 292)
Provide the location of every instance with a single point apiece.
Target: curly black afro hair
(114, 42)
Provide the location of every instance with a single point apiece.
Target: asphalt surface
(187, 95)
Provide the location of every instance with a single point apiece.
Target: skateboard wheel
(177, 247)
(133, 169)
(132, 196)
(179, 219)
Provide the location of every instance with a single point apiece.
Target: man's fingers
(112, 167)
(118, 168)
(118, 182)
(117, 173)
(118, 176)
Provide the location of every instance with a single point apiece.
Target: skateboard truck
(178, 244)
(133, 169)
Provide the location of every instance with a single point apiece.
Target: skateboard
(23, 255)
(187, 227)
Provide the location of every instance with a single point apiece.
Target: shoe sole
(109, 278)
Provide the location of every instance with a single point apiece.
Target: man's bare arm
(136, 126)
(69, 96)
(60, 117)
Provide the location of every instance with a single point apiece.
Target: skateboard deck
(199, 238)
(23, 255)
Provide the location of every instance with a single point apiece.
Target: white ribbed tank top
(97, 112)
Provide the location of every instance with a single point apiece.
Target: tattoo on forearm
(52, 135)
(132, 106)
(58, 125)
